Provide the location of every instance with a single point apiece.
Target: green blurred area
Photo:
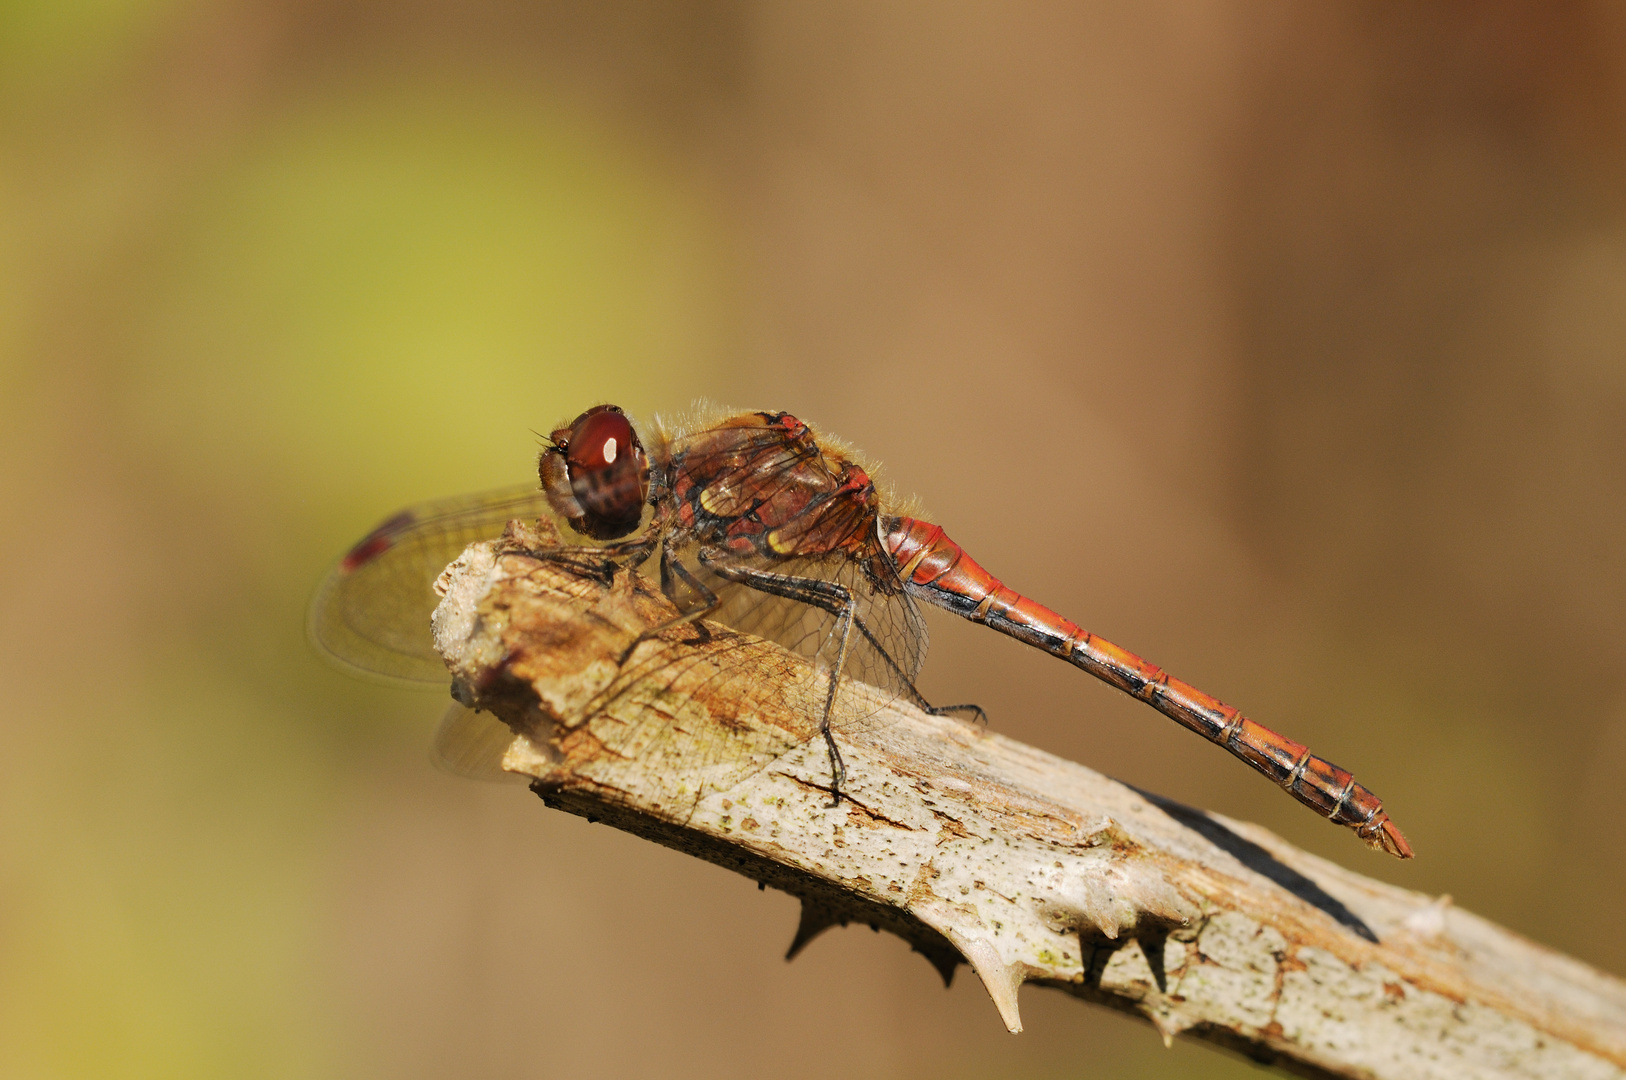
(222, 360)
(1287, 353)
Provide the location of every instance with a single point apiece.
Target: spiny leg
(599, 563)
(672, 572)
(838, 768)
(839, 601)
(944, 710)
(826, 596)
(671, 569)
(602, 563)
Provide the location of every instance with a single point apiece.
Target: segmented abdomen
(938, 571)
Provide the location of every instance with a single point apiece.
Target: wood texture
(978, 849)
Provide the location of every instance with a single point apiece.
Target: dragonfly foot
(979, 717)
(632, 647)
(701, 636)
(577, 559)
(838, 768)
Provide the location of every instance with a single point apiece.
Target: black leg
(600, 563)
(836, 600)
(838, 768)
(945, 710)
(828, 597)
(672, 572)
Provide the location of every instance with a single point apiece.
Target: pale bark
(978, 849)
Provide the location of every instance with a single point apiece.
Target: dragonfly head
(596, 474)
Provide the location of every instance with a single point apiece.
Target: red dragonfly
(755, 521)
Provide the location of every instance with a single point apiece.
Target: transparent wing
(887, 644)
(885, 648)
(472, 744)
(371, 614)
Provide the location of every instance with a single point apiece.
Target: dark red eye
(598, 441)
(608, 473)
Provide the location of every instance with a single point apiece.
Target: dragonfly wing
(888, 656)
(371, 614)
(472, 744)
(886, 646)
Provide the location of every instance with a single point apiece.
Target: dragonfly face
(596, 474)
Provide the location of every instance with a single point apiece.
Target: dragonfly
(757, 522)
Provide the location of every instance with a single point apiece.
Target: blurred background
(1283, 344)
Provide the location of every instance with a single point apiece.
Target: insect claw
(835, 792)
(979, 715)
(838, 768)
(632, 647)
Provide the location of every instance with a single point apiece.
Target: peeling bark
(977, 849)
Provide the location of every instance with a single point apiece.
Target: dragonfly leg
(980, 718)
(826, 596)
(672, 572)
(839, 601)
(602, 563)
(829, 597)
(838, 768)
(599, 563)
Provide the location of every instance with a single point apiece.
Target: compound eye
(598, 440)
(608, 473)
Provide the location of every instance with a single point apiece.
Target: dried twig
(979, 849)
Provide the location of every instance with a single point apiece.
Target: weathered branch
(976, 848)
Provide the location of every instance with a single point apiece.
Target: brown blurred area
(1283, 344)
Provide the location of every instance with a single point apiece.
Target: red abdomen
(937, 571)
